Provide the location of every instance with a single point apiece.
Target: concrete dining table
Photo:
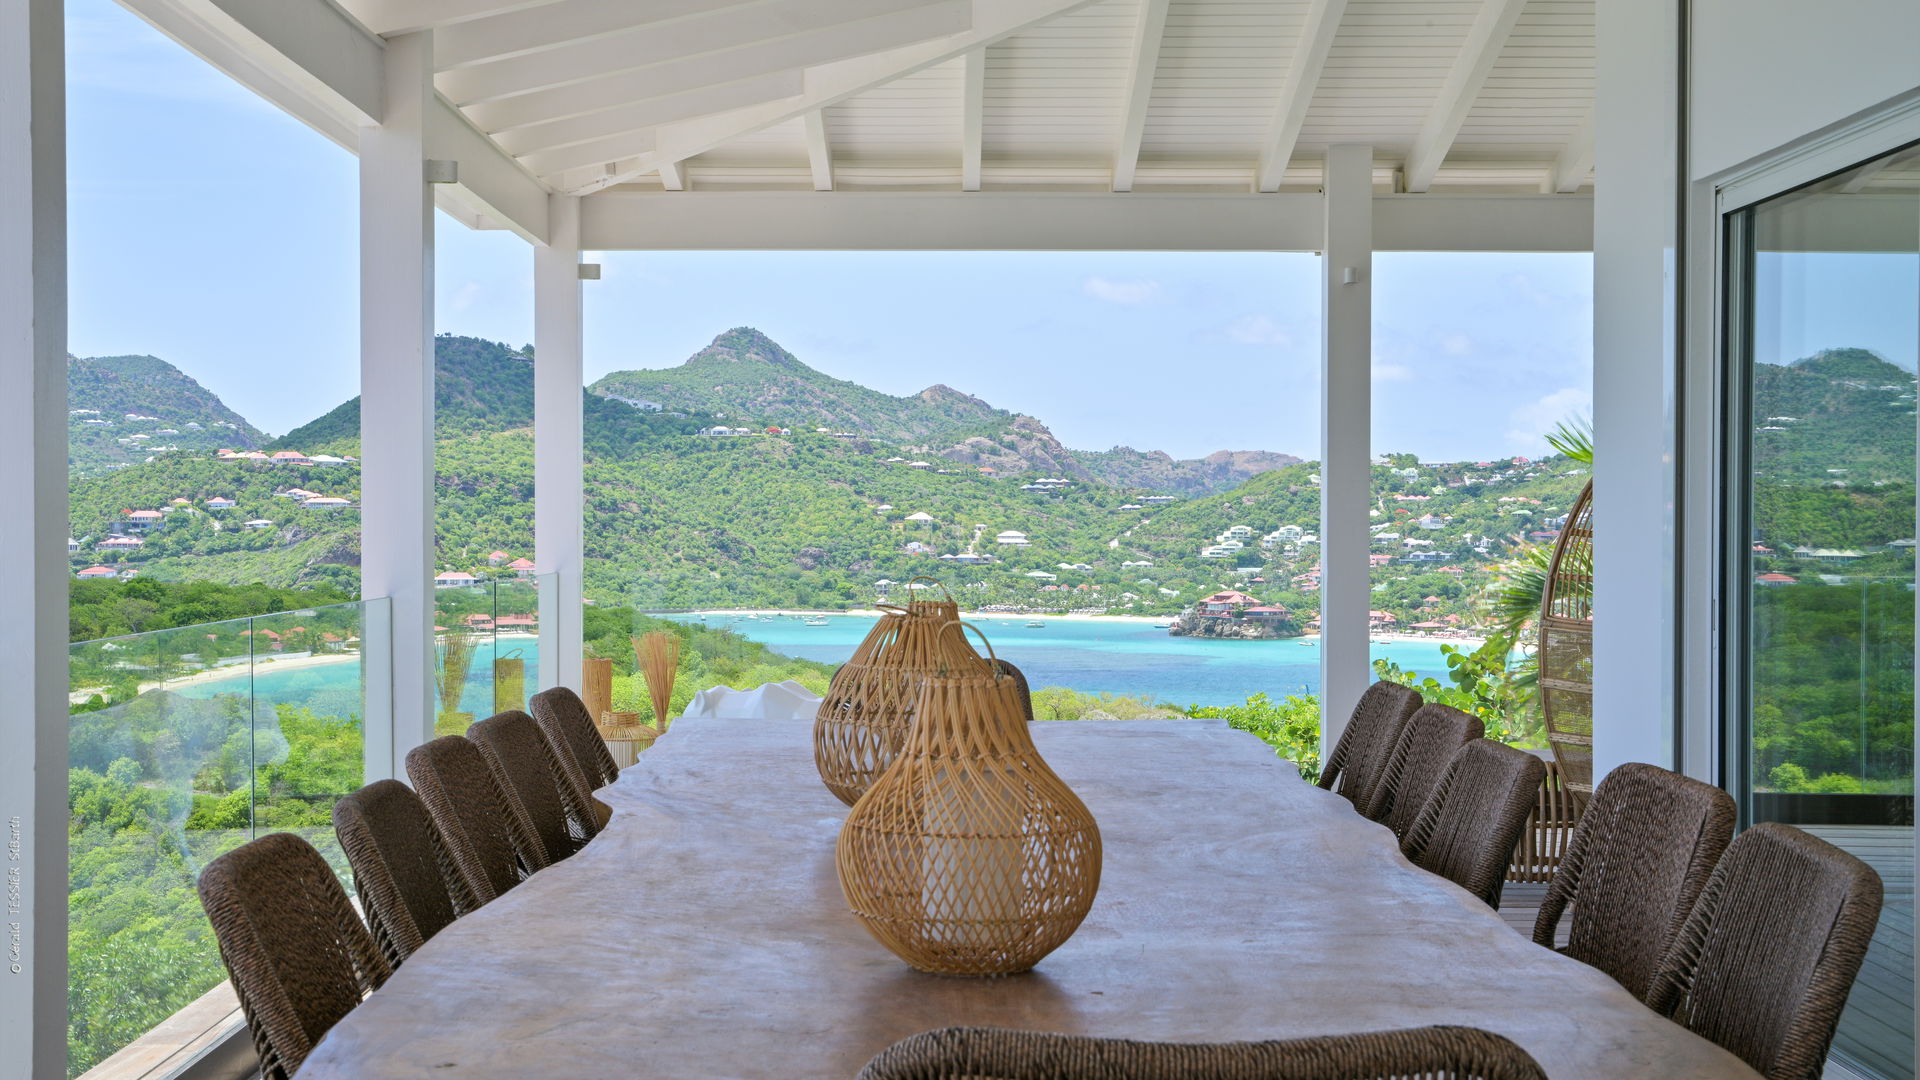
(703, 933)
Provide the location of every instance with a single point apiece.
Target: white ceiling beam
(1854, 184)
(609, 136)
(1147, 32)
(1575, 162)
(819, 152)
(1087, 221)
(1296, 92)
(565, 22)
(390, 17)
(973, 117)
(1485, 38)
(829, 84)
(732, 45)
(673, 176)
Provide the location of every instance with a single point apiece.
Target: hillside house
(522, 568)
(92, 573)
(120, 543)
(219, 502)
(144, 519)
(497, 558)
(329, 459)
(454, 578)
(1012, 538)
(325, 502)
(1223, 604)
(290, 457)
(257, 523)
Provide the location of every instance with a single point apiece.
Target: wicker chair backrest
(1467, 831)
(563, 716)
(299, 957)
(401, 869)
(1634, 868)
(477, 823)
(1764, 962)
(1432, 1053)
(1360, 757)
(1419, 757)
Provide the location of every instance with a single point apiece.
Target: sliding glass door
(1824, 329)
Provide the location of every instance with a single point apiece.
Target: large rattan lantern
(864, 718)
(1566, 649)
(968, 856)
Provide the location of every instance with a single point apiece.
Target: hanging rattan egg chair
(1566, 649)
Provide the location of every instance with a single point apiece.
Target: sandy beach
(871, 613)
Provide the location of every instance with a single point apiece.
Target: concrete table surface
(703, 934)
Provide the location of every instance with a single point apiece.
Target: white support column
(559, 481)
(396, 399)
(1346, 426)
(33, 442)
(1635, 221)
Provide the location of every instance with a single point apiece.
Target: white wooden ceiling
(1036, 95)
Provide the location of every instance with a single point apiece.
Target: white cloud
(1456, 344)
(1259, 330)
(1529, 424)
(1136, 291)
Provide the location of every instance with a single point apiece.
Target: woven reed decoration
(299, 957)
(1645, 846)
(969, 856)
(1764, 963)
(1566, 649)
(625, 736)
(864, 718)
(1543, 842)
(596, 686)
(1430, 1053)
(509, 682)
(658, 653)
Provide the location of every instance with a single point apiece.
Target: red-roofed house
(454, 577)
(92, 572)
(497, 558)
(1223, 604)
(522, 567)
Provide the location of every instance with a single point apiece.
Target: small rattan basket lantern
(1566, 650)
(864, 718)
(969, 856)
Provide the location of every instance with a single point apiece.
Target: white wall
(1767, 72)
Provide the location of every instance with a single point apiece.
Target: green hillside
(126, 409)
(1841, 405)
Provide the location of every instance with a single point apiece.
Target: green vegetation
(176, 413)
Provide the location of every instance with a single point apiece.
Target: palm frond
(1573, 437)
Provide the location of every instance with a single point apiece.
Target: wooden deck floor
(1876, 1032)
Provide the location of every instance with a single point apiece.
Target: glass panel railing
(184, 744)
(487, 654)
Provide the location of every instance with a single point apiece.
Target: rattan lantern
(864, 718)
(969, 856)
(1566, 650)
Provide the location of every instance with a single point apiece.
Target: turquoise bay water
(1082, 654)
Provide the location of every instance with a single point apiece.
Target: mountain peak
(744, 344)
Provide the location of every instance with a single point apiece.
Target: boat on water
(1035, 624)
(820, 620)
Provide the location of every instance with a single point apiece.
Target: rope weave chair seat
(405, 877)
(1360, 756)
(1435, 1053)
(1019, 680)
(1638, 859)
(476, 822)
(564, 717)
(1427, 743)
(550, 809)
(299, 957)
(1467, 831)
(1764, 962)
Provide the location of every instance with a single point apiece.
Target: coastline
(1468, 643)
(268, 663)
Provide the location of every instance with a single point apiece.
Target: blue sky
(217, 233)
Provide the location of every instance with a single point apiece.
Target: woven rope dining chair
(298, 956)
(1019, 679)
(1633, 869)
(550, 809)
(1419, 757)
(404, 876)
(1764, 962)
(1360, 756)
(1467, 830)
(563, 716)
(476, 822)
(1432, 1053)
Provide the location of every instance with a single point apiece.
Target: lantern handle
(993, 661)
(891, 608)
(935, 580)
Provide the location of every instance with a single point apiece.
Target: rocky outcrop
(1234, 629)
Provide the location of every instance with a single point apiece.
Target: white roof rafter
(973, 118)
(819, 150)
(1571, 168)
(1485, 38)
(550, 25)
(1296, 94)
(1146, 60)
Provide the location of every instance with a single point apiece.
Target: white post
(1635, 219)
(1346, 426)
(33, 442)
(396, 400)
(558, 441)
